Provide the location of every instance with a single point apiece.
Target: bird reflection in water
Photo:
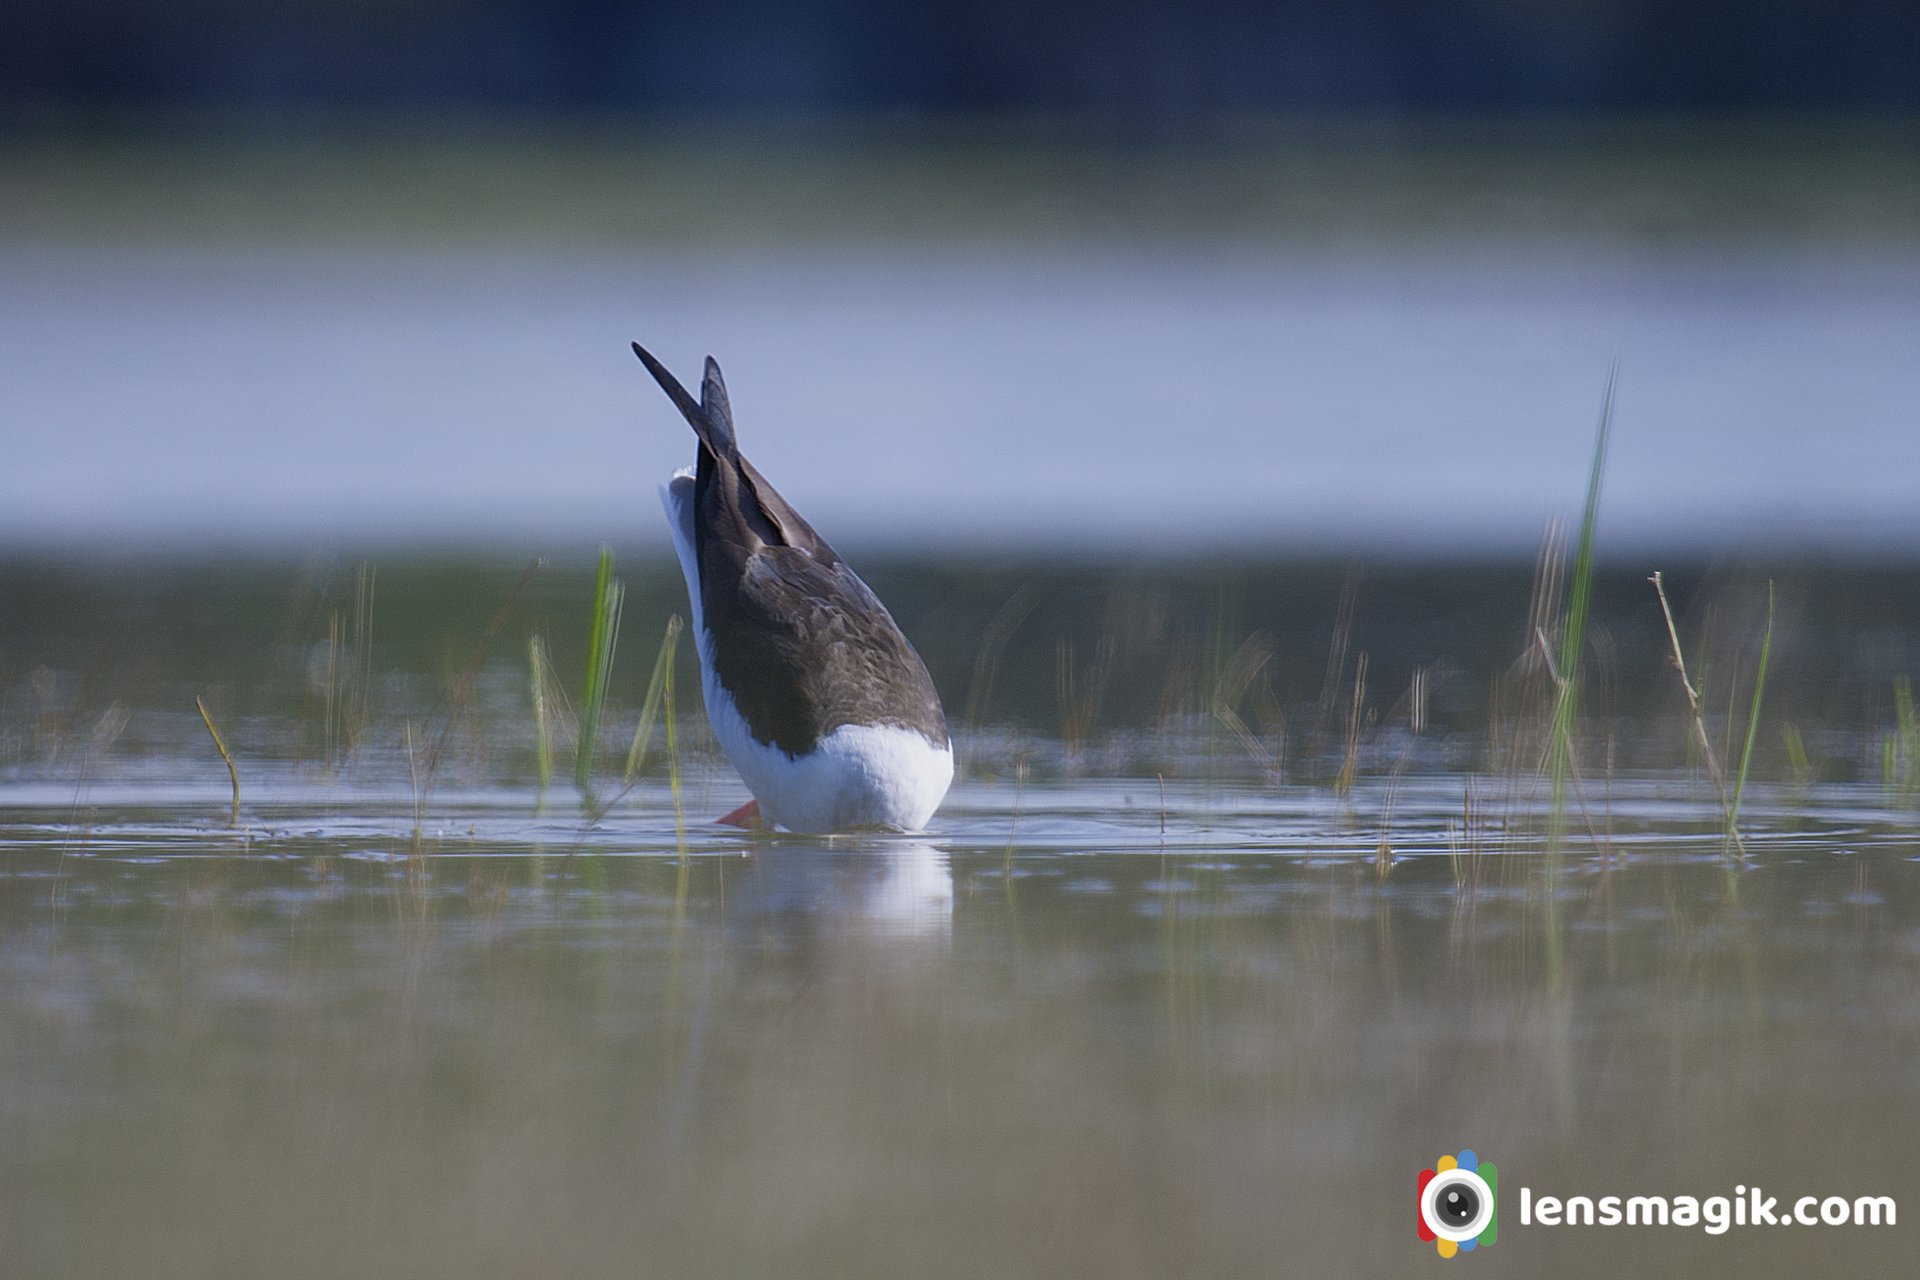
(879, 886)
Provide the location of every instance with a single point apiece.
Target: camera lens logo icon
(1456, 1203)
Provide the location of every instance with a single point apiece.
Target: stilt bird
(815, 695)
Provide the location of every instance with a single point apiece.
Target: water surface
(1392, 395)
(1072, 1030)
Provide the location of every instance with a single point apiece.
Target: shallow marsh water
(1390, 396)
(1152, 997)
(1044, 1039)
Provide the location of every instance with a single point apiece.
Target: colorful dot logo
(1456, 1203)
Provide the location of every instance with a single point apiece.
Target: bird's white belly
(859, 775)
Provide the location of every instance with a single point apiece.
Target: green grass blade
(657, 687)
(220, 743)
(1799, 767)
(542, 714)
(673, 769)
(1905, 767)
(605, 634)
(1573, 635)
(1753, 719)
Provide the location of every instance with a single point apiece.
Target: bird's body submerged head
(817, 698)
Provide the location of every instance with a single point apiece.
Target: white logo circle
(1459, 1180)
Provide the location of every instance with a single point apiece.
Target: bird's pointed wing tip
(710, 416)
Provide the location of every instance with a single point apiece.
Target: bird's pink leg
(747, 817)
